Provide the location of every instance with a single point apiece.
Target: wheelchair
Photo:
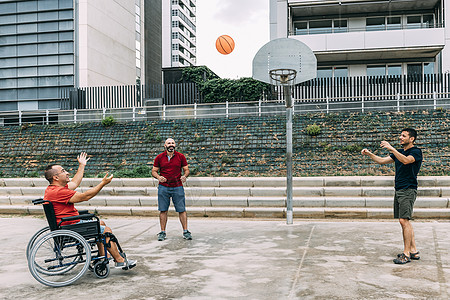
(59, 255)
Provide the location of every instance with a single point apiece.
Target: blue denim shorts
(176, 193)
(102, 228)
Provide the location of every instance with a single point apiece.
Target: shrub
(313, 130)
(108, 121)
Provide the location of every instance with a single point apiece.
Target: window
(25, 28)
(413, 22)
(428, 21)
(27, 18)
(393, 23)
(428, 68)
(379, 70)
(301, 28)
(376, 23)
(324, 72)
(340, 26)
(321, 26)
(27, 61)
(27, 38)
(394, 70)
(26, 72)
(340, 72)
(414, 69)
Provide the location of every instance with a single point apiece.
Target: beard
(170, 148)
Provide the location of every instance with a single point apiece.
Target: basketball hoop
(282, 76)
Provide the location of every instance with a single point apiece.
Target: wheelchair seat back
(88, 230)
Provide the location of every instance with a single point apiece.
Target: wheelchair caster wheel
(101, 269)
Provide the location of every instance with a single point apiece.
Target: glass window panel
(66, 59)
(48, 26)
(8, 7)
(48, 60)
(324, 72)
(47, 4)
(138, 27)
(48, 37)
(5, 73)
(27, 17)
(340, 26)
(428, 21)
(27, 61)
(395, 70)
(48, 48)
(27, 50)
(376, 70)
(49, 104)
(8, 29)
(66, 14)
(8, 62)
(65, 3)
(376, 23)
(138, 45)
(8, 51)
(27, 38)
(27, 82)
(413, 22)
(25, 94)
(414, 69)
(48, 16)
(320, 26)
(48, 81)
(394, 23)
(7, 95)
(66, 36)
(8, 39)
(340, 72)
(66, 47)
(27, 72)
(428, 68)
(23, 6)
(48, 93)
(65, 25)
(8, 19)
(301, 28)
(25, 28)
(66, 80)
(8, 106)
(49, 70)
(66, 70)
(8, 83)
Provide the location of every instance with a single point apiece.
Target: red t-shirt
(59, 197)
(170, 169)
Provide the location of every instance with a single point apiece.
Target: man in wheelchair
(61, 193)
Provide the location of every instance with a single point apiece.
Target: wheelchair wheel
(59, 258)
(35, 237)
(101, 269)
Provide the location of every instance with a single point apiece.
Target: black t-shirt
(406, 175)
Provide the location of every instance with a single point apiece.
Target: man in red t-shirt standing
(61, 193)
(167, 169)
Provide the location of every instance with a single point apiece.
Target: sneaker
(187, 235)
(161, 236)
(127, 264)
(402, 259)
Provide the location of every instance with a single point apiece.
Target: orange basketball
(225, 44)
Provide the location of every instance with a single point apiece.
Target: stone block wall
(246, 146)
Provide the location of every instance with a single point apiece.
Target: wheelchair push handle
(38, 201)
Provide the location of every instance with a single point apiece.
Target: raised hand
(82, 158)
(107, 179)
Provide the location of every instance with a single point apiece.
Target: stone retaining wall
(247, 146)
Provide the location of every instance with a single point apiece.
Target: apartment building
(179, 33)
(368, 37)
(47, 46)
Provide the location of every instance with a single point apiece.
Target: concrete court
(247, 259)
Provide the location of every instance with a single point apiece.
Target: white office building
(368, 37)
(179, 33)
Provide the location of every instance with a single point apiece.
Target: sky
(246, 21)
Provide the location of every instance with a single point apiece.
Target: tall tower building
(179, 33)
(47, 46)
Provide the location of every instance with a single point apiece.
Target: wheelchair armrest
(38, 201)
(83, 212)
(79, 217)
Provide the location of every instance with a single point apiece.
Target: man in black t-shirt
(407, 165)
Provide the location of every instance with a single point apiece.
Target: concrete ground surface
(247, 259)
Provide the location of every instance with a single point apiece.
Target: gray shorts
(404, 203)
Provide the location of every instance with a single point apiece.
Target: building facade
(368, 37)
(179, 33)
(47, 46)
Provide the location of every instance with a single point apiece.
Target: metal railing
(398, 102)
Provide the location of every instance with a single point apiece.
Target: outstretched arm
(80, 197)
(376, 158)
(76, 180)
(402, 158)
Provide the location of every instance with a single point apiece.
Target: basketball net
(282, 76)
